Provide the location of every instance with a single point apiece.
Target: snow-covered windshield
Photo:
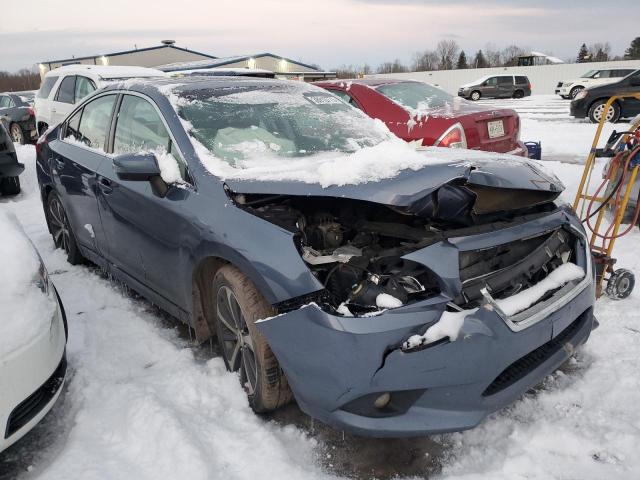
(590, 73)
(275, 120)
(416, 95)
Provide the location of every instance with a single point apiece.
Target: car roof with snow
(107, 71)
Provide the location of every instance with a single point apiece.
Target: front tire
(17, 135)
(597, 110)
(475, 95)
(237, 306)
(574, 91)
(61, 231)
(10, 186)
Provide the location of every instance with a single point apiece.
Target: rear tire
(574, 91)
(61, 231)
(17, 135)
(518, 94)
(475, 95)
(237, 305)
(597, 110)
(10, 186)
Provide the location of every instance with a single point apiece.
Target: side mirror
(635, 81)
(136, 166)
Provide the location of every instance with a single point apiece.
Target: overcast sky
(327, 32)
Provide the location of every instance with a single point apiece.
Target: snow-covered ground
(142, 402)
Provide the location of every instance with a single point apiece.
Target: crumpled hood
(474, 168)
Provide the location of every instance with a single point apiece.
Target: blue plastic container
(534, 149)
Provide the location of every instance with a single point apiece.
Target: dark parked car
(385, 289)
(497, 86)
(10, 168)
(417, 111)
(591, 102)
(18, 108)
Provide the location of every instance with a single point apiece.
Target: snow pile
(369, 164)
(384, 300)
(25, 311)
(449, 325)
(562, 275)
(169, 169)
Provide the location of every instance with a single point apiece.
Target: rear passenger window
(94, 123)
(73, 126)
(139, 128)
(66, 91)
(505, 80)
(522, 80)
(84, 87)
(47, 85)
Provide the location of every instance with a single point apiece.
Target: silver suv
(496, 86)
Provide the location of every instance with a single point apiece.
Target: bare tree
(510, 55)
(392, 67)
(447, 51)
(492, 55)
(600, 52)
(424, 61)
(24, 79)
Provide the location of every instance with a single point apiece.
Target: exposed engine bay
(355, 247)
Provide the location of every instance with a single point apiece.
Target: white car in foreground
(593, 78)
(33, 336)
(62, 88)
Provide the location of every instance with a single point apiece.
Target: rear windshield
(416, 95)
(47, 85)
(27, 97)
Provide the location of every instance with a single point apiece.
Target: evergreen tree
(583, 54)
(462, 61)
(480, 61)
(633, 52)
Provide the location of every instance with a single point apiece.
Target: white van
(570, 88)
(63, 87)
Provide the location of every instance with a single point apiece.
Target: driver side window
(139, 128)
(492, 81)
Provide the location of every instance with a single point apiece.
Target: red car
(416, 111)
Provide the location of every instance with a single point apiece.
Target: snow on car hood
(25, 312)
(380, 177)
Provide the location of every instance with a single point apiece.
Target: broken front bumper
(339, 366)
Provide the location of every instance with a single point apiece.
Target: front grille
(509, 268)
(525, 365)
(34, 403)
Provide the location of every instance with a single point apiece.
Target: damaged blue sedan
(391, 291)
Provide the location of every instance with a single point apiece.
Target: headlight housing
(581, 94)
(567, 84)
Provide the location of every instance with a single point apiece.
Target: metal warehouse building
(283, 67)
(168, 52)
(169, 57)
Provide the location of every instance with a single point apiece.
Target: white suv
(63, 87)
(570, 88)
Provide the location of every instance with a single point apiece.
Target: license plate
(496, 129)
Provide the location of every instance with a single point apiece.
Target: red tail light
(454, 137)
(31, 111)
(530, 86)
